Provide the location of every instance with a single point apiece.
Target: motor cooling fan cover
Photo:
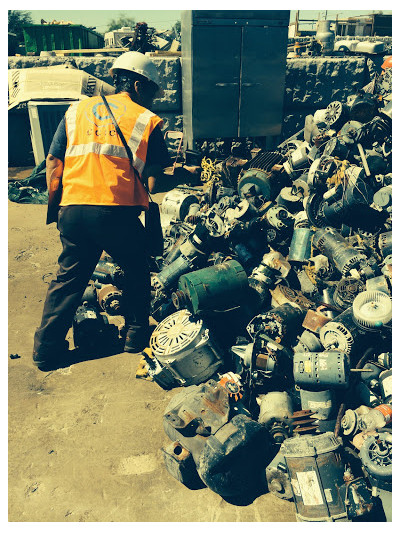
(335, 334)
(182, 345)
(176, 333)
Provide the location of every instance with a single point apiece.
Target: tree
(122, 20)
(177, 28)
(17, 19)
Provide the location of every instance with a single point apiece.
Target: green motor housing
(216, 288)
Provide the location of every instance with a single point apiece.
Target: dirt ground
(84, 441)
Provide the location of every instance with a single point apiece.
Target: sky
(163, 19)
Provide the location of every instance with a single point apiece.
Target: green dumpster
(48, 37)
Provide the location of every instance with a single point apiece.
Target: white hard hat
(137, 62)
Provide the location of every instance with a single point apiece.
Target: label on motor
(319, 405)
(309, 488)
(386, 410)
(90, 314)
(307, 366)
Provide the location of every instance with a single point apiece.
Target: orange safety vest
(97, 170)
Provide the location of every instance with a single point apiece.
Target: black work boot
(51, 359)
(137, 338)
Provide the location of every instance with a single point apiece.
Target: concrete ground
(84, 441)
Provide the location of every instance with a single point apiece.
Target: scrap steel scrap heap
(273, 303)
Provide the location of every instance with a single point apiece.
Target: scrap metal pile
(273, 303)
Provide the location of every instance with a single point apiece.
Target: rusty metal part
(193, 219)
(110, 298)
(358, 499)
(301, 422)
(314, 321)
(205, 416)
(284, 294)
(264, 361)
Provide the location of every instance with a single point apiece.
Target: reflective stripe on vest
(70, 121)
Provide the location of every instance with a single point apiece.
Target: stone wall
(311, 83)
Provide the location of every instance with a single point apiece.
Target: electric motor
(319, 370)
(218, 287)
(264, 183)
(280, 323)
(275, 411)
(376, 456)
(342, 255)
(335, 147)
(308, 342)
(385, 243)
(289, 200)
(89, 327)
(261, 279)
(343, 334)
(278, 217)
(190, 257)
(227, 447)
(300, 246)
(320, 402)
(176, 203)
(336, 115)
(364, 107)
(90, 295)
(269, 359)
(350, 131)
(345, 292)
(316, 469)
(108, 272)
(385, 385)
(385, 359)
(110, 299)
(278, 479)
(365, 395)
(185, 347)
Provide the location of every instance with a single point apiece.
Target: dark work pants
(85, 231)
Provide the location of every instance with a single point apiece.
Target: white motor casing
(275, 406)
(176, 204)
(182, 344)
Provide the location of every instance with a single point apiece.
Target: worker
(102, 198)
